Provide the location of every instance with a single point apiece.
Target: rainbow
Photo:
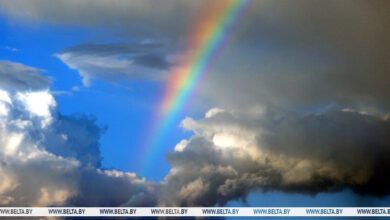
(207, 39)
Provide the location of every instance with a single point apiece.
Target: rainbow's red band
(207, 38)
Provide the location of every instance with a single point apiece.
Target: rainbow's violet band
(208, 38)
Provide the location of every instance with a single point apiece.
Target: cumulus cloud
(117, 61)
(48, 159)
(306, 154)
(20, 77)
(56, 162)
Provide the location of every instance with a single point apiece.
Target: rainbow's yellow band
(206, 38)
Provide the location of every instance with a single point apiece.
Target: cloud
(299, 57)
(20, 77)
(295, 55)
(49, 159)
(117, 61)
(305, 86)
(169, 18)
(57, 161)
(307, 154)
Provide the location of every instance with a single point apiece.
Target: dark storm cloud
(117, 61)
(205, 176)
(20, 77)
(112, 188)
(296, 154)
(302, 54)
(290, 54)
(358, 146)
(170, 17)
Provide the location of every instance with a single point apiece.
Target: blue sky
(125, 112)
(286, 106)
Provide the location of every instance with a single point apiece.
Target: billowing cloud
(48, 159)
(305, 86)
(117, 61)
(52, 159)
(231, 156)
(20, 77)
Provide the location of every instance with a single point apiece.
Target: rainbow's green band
(191, 70)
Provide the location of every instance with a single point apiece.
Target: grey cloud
(20, 77)
(309, 154)
(170, 17)
(356, 144)
(201, 176)
(114, 188)
(117, 61)
(304, 55)
(300, 55)
(112, 49)
(53, 159)
(153, 61)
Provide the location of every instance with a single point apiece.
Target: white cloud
(5, 100)
(47, 159)
(54, 164)
(116, 62)
(181, 145)
(94, 67)
(38, 103)
(210, 113)
(3, 109)
(227, 140)
(4, 96)
(13, 142)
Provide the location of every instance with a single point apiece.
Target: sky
(194, 103)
